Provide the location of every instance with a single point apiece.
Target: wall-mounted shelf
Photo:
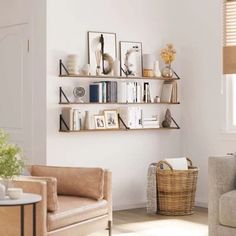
(116, 130)
(117, 77)
(118, 103)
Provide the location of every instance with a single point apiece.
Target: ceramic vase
(157, 72)
(87, 120)
(72, 64)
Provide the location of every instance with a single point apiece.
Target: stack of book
(132, 116)
(72, 118)
(119, 92)
(169, 92)
(151, 122)
(103, 92)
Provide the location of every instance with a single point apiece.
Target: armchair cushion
(74, 210)
(82, 182)
(227, 209)
(52, 201)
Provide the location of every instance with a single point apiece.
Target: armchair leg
(109, 228)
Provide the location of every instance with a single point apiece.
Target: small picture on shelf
(101, 52)
(111, 119)
(99, 122)
(131, 58)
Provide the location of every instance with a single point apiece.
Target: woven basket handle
(170, 166)
(166, 163)
(190, 162)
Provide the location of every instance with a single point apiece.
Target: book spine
(93, 93)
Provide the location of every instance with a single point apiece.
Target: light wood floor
(136, 223)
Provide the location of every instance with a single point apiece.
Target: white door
(15, 86)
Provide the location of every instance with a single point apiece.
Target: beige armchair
(75, 201)
(222, 196)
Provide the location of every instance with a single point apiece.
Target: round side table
(26, 199)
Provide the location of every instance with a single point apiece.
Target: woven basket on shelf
(176, 189)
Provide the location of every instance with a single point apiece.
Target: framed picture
(99, 122)
(101, 52)
(131, 58)
(111, 119)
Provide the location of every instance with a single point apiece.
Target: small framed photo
(99, 122)
(102, 51)
(111, 119)
(131, 58)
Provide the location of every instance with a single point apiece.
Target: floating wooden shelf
(117, 77)
(118, 103)
(108, 130)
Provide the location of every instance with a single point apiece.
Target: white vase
(87, 120)
(2, 191)
(72, 64)
(116, 67)
(157, 71)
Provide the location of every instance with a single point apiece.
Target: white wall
(127, 154)
(196, 29)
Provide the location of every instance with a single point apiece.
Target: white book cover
(100, 92)
(138, 117)
(166, 93)
(121, 92)
(139, 93)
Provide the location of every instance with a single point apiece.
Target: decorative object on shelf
(72, 64)
(157, 72)
(131, 58)
(167, 121)
(111, 119)
(85, 70)
(99, 122)
(98, 56)
(116, 67)
(147, 98)
(79, 92)
(11, 160)
(87, 120)
(169, 92)
(157, 99)
(14, 193)
(2, 191)
(148, 60)
(102, 52)
(168, 56)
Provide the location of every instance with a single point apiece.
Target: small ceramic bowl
(14, 193)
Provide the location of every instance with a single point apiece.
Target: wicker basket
(176, 189)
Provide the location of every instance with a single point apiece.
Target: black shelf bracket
(61, 95)
(62, 66)
(176, 74)
(121, 120)
(177, 126)
(62, 122)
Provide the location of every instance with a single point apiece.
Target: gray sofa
(222, 196)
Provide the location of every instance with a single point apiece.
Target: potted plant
(11, 159)
(168, 56)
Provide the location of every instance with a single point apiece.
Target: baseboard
(129, 206)
(201, 204)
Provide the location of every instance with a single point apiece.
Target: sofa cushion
(52, 201)
(227, 211)
(74, 210)
(82, 182)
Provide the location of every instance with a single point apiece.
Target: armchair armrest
(38, 187)
(108, 191)
(222, 179)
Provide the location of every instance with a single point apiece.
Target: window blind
(229, 50)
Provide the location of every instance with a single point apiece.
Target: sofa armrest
(108, 191)
(222, 179)
(37, 187)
